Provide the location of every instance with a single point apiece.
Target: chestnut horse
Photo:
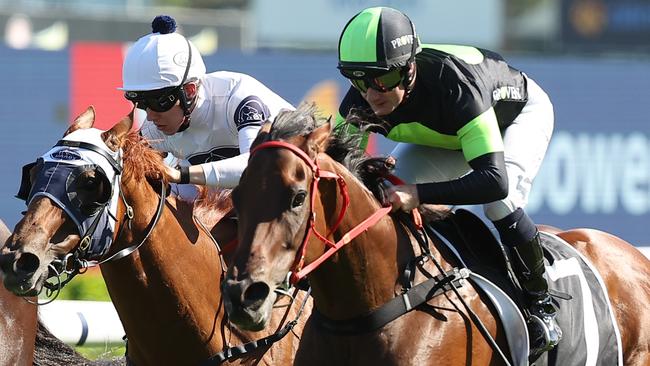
(163, 268)
(24, 340)
(18, 323)
(288, 210)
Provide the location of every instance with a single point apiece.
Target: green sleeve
(481, 136)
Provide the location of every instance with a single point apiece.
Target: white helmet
(159, 60)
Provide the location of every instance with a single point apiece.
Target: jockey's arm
(226, 173)
(482, 146)
(487, 182)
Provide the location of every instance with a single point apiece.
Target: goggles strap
(187, 105)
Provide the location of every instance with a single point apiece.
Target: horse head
(99, 198)
(293, 204)
(272, 202)
(69, 189)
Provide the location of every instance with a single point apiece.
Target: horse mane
(212, 204)
(343, 145)
(141, 162)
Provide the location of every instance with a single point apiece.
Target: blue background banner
(596, 173)
(605, 24)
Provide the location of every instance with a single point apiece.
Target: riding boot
(528, 263)
(519, 233)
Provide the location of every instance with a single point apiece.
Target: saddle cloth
(590, 333)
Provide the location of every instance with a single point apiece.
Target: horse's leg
(626, 273)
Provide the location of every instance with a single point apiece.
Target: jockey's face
(383, 103)
(167, 122)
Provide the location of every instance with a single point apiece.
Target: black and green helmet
(376, 40)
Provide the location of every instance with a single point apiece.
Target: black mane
(343, 147)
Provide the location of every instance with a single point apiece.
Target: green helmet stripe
(362, 27)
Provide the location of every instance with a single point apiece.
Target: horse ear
(266, 127)
(320, 137)
(114, 138)
(84, 120)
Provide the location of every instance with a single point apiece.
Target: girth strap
(396, 307)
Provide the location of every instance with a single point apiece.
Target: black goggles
(384, 82)
(159, 101)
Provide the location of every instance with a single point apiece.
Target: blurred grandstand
(592, 56)
(58, 56)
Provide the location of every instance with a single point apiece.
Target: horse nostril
(27, 263)
(255, 295)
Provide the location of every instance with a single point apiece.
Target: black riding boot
(518, 232)
(528, 264)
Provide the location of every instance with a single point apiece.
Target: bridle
(79, 260)
(299, 271)
(398, 305)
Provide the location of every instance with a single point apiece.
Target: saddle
(591, 334)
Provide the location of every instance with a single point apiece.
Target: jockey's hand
(403, 197)
(173, 174)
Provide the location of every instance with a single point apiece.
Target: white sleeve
(246, 137)
(226, 173)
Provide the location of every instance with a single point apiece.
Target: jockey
(471, 130)
(208, 121)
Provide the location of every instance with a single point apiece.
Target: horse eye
(298, 199)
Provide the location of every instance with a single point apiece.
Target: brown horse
(18, 323)
(284, 212)
(165, 268)
(24, 340)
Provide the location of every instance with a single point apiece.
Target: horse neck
(190, 247)
(364, 272)
(157, 274)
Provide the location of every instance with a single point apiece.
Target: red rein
(298, 271)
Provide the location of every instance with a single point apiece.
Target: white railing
(83, 322)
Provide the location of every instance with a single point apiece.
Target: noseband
(298, 271)
(95, 239)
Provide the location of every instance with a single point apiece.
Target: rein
(78, 257)
(299, 272)
(128, 214)
(80, 252)
(411, 297)
(234, 352)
